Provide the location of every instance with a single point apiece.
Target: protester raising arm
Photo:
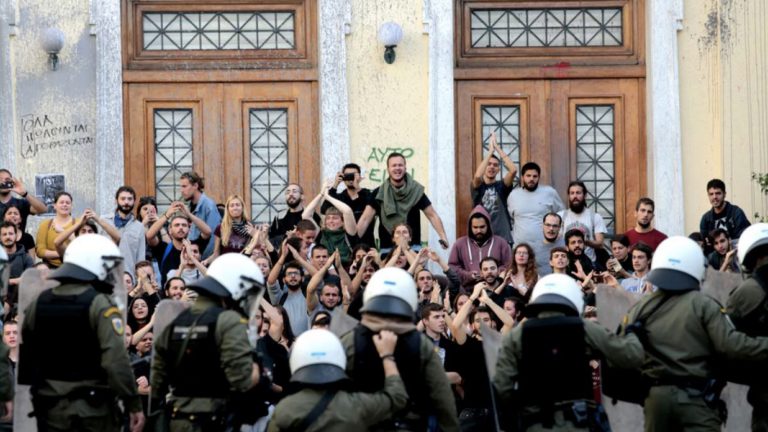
(500, 313)
(316, 281)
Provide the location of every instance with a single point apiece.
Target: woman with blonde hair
(235, 230)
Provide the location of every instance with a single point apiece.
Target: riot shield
(342, 324)
(165, 313)
(491, 347)
(119, 292)
(30, 287)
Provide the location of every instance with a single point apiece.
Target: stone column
(438, 23)
(334, 17)
(663, 21)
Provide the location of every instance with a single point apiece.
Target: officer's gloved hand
(637, 328)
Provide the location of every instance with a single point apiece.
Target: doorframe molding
(110, 166)
(663, 114)
(438, 24)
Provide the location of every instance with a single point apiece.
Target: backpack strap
(317, 411)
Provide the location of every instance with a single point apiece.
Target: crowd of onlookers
(318, 256)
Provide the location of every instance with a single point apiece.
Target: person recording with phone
(24, 201)
(353, 195)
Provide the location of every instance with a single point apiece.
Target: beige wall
(723, 53)
(388, 108)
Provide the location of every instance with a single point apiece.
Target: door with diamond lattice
(245, 139)
(588, 130)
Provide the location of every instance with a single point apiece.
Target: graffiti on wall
(40, 134)
(376, 161)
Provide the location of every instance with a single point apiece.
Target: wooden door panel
(473, 98)
(221, 129)
(555, 127)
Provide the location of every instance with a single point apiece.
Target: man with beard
(294, 199)
(491, 193)
(579, 265)
(578, 215)
(289, 295)
(192, 186)
(528, 204)
(18, 259)
(492, 283)
(479, 243)
(476, 407)
(552, 239)
(168, 255)
(330, 289)
(26, 203)
(397, 200)
(132, 243)
(643, 230)
(722, 215)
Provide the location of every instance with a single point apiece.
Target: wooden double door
(591, 130)
(243, 138)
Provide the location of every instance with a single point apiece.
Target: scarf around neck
(396, 203)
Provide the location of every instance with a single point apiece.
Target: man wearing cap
(684, 333)
(389, 302)
(204, 354)
(79, 390)
(748, 310)
(317, 365)
(543, 369)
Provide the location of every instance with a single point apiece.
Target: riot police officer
(6, 385)
(317, 364)
(748, 309)
(683, 332)
(543, 372)
(204, 354)
(389, 302)
(72, 352)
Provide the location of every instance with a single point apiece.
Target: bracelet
(388, 357)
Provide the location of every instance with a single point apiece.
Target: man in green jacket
(685, 334)
(543, 372)
(317, 367)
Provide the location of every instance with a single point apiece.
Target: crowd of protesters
(318, 256)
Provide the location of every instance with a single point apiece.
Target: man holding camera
(25, 202)
(353, 195)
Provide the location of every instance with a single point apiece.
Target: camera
(348, 177)
(8, 184)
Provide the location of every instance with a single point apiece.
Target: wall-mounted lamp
(53, 42)
(390, 34)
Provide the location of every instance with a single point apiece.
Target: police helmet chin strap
(109, 263)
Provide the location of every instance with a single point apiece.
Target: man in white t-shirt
(528, 204)
(583, 218)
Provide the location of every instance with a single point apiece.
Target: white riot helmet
(752, 238)
(556, 292)
(232, 276)
(391, 291)
(89, 258)
(678, 265)
(317, 357)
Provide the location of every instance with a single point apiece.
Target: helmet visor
(672, 280)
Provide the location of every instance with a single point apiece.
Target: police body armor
(555, 374)
(368, 373)
(754, 324)
(198, 371)
(52, 314)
